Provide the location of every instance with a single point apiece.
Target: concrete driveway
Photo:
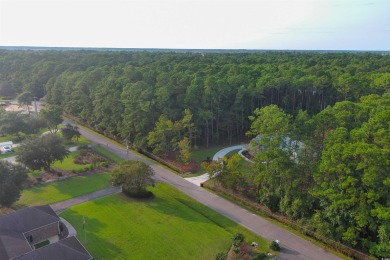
(220, 154)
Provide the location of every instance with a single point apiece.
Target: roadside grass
(62, 190)
(80, 141)
(109, 155)
(170, 226)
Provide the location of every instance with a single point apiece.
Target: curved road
(293, 247)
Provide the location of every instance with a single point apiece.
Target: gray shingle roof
(12, 226)
(13, 243)
(69, 248)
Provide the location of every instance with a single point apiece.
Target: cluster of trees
(336, 181)
(124, 94)
(35, 152)
(41, 152)
(18, 124)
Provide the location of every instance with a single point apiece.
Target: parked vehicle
(7, 149)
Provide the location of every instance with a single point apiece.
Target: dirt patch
(17, 108)
(172, 158)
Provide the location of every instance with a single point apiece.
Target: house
(37, 233)
(287, 144)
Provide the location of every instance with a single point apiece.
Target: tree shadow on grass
(88, 234)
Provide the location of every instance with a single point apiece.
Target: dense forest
(334, 177)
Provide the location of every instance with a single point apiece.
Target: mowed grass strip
(63, 190)
(170, 226)
(109, 155)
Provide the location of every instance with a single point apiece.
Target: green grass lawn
(171, 226)
(63, 190)
(80, 141)
(68, 165)
(109, 155)
(201, 154)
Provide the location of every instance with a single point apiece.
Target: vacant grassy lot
(171, 226)
(63, 190)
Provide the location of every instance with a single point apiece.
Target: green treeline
(320, 122)
(124, 94)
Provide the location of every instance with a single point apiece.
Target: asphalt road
(293, 247)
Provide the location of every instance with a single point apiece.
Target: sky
(200, 24)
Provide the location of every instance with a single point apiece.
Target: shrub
(238, 238)
(138, 195)
(221, 256)
(274, 246)
(104, 164)
(260, 256)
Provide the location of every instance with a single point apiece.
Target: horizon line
(185, 49)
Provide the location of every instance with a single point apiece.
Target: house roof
(14, 245)
(69, 248)
(14, 225)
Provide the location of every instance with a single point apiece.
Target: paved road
(293, 247)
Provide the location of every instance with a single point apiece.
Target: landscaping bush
(274, 246)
